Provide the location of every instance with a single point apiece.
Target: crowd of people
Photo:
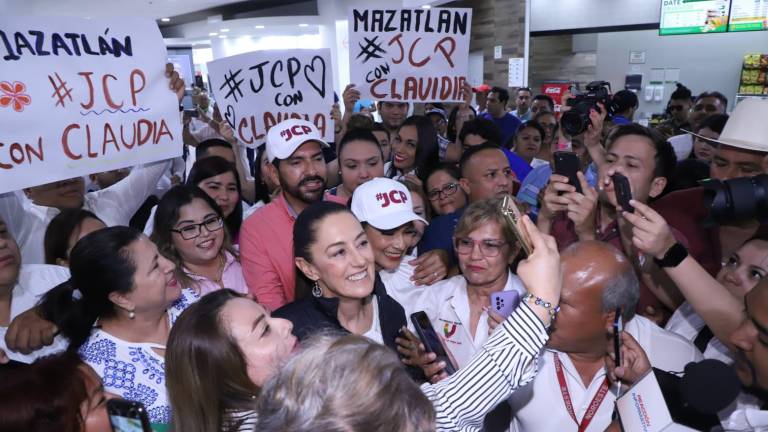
(273, 289)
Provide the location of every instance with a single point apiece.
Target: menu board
(694, 16)
(748, 15)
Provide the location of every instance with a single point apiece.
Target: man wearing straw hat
(740, 151)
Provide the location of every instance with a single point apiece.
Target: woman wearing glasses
(459, 307)
(190, 231)
(443, 191)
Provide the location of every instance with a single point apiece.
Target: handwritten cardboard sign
(418, 55)
(82, 96)
(258, 90)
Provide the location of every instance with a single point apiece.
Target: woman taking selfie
(190, 231)
(360, 159)
(117, 310)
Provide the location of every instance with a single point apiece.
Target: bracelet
(533, 300)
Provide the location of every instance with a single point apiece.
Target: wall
(553, 15)
(563, 58)
(706, 62)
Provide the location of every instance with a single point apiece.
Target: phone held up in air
(128, 416)
(623, 192)
(567, 165)
(431, 340)
(505, 302)
(513, 215)
(618, 327)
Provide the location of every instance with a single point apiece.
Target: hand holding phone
(513, 216)
(431, 340)
(567, 165)
(505, 302)
(623, 192)
(128, 416)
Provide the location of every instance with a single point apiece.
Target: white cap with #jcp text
(384, 203)
(285, 137)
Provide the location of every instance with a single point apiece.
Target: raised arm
(722, 312)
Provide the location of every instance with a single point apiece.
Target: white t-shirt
(539, 406)
(374, 333)
(687, 323)
(34, 281)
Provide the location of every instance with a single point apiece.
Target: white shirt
(34, 281)
(399, 285)
(114, 205)
(546, 411)
(202, 131)
(447, 306)
(374, 333)
(687, 323)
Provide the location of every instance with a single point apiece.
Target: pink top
(232, 278)
(266, 251)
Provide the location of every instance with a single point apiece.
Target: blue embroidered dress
(134, 370)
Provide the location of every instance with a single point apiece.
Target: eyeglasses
(445, 191)
(190, 232)
(489, 248)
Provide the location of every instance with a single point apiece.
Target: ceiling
(145, 8)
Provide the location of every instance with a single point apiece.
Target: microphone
(709, 386)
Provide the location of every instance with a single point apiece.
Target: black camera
(576, 120)
(736, 200)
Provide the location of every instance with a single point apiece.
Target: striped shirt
(506, 362)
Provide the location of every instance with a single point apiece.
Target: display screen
(748, 15)
(693, 16)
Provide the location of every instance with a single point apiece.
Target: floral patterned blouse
(134, 370)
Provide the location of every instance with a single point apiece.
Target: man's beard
(309, 198)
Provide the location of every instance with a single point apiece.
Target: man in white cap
(295, 152)
(740, 151)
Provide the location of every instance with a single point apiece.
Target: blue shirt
(439, 234)
(507, 124)
(620, 120)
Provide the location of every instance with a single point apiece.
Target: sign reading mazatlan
(257, 90)
(82, 96)
(410, 55)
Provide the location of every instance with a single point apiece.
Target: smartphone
(567, 165)
(618, 327)
(191, 113)
(623, 192)
(431, 340)
(505, 302)
(127, 416)
(512, 214)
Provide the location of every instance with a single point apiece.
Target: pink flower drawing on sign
(13, 95)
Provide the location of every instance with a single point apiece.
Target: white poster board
(257, 90)
(410, 55)
(82, 96)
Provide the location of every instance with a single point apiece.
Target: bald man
(597, 279)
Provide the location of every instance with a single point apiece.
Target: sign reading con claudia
(260, 89)
(82, 96)
(410, 55)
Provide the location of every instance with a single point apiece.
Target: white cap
(384, 203)
(285, 137)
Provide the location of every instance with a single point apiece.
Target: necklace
(222, 261)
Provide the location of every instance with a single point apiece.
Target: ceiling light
(212, 34)
(165, 19)
(426, 6)
(223, 36)
(224, 30)
(259, 26)
(303, 25)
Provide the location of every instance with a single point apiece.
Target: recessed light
(259, 26)
(223, 36)
(426, 6)
(165, 19)
(212, 34)
(224, 30)
(303, 25)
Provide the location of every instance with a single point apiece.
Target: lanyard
(593, 406)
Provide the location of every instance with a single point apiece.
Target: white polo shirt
(687, 323)
(114, 205)
(447, 305)
(546, 411)
(34, 281)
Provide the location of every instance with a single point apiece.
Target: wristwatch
(673, 257)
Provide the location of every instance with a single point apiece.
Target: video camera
(738, 199)
(576, 120)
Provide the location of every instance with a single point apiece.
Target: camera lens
(738, 199)
(574, 122)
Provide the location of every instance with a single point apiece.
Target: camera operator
(741, 151)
